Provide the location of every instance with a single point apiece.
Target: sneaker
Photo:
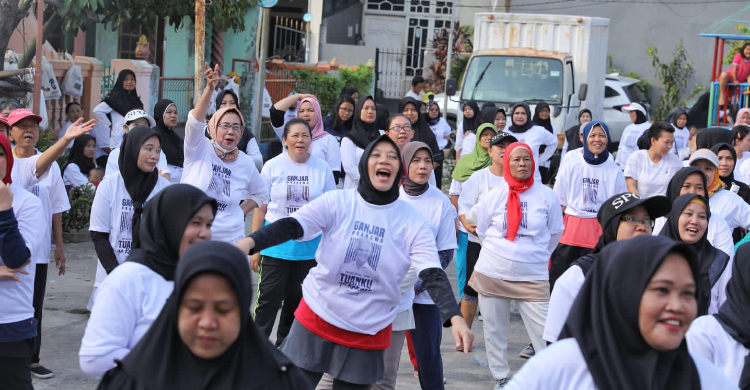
(527, 352)
(41, 372)
(479, 316)
(501, 383)
(416, 375)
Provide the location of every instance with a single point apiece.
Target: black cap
(502, 136)
(656, 206)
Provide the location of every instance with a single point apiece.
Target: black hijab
(546, 123)
(172, 144)
(639, 117)
(744, 190)
(121, 100)
(676, 115)
(365, 187)
(571, 135)
(675, 184)
(362, 133)
(433, 121)
(161, 360)
(139, 184)
(349, 90)
(381, 117)
(712, 261)
(707, 138)
(733, 313)
(76, 156)
(422, 130)
(247, 135)
(526, 126)
(471, 124)
(487, 115)
(604, 319)
(157, 242)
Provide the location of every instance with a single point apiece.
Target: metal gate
(390, 77)
(289, 39)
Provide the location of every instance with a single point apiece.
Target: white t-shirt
(744, 169)
(17, 296)
(459, 138)
(535, 137)
(720, 236)
(73, 176)
(681, 137)
(455, 190)
(732, 208)
(351, 288)
(629, 142)
(468, 143)
(328, 150)
(292, 185)
(441, 129)
(441, 224)
(561, 366)
(582, 188)
(561, 300)
(113, 163)
(112, 212)
(411, 94)
(572, 154)
(108, 134)
(126, 305)
(51, 191)
(24, 172)
(708, 339)
(473, 190)
(350, 156)
(253, 151)
(653, 178)
(228, 182)
(541, 222)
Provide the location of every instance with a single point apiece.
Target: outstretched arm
(212, 77)
(55, 151)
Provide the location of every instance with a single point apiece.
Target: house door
(386, 32)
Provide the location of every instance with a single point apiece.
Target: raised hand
(212, 77)
(77, 129)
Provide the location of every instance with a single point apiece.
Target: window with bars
(129, 35)
(420, 6)
(386, 5)
(444, 7)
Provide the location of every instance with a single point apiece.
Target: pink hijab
(742, 111)
(318, 131)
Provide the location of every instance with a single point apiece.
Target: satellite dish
(267, 3)
(307, 17)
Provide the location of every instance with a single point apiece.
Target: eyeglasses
(645, 222)
(226, 126)
(399, 129)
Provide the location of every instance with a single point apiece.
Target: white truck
(557, 59)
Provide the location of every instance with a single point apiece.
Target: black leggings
(561, 258)
(472, 255)
(314, 378)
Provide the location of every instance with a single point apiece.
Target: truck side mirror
(450, 87)
(582, 92)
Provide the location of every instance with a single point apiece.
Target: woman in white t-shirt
(248, 142)
(79, 162)
(629, 138)
(537, 137)
(681, 134)
(582, 186)
(21, 217)
(468, 246)
(467, 126)
(350, 299)
(624, 337)
(427, 199)
(439, 125)
(218, 168)
(741, 142)
(724, 338)
(110, 114)
(356, 140)
(647, 172)
(119, 201)
(132, 296)
(519, 223)
(134, 119)
(166, 117)
(294, 178)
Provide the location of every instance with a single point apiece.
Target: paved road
(65, 319)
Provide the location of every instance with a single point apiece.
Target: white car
(619, 91)
(454, 106)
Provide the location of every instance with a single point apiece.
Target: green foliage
(45, 140)
(735, 46)
(361, 78)
(78, 216)
(674, 77)
(644, 85)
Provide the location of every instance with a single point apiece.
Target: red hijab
(515, 187)
(8, 155)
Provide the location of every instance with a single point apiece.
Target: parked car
(619, 91)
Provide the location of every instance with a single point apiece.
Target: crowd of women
(623, 268)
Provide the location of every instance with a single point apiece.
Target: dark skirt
(314, 353)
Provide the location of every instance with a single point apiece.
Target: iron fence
(108, 81)
(289, 39)
(390, 79)
(180, 91)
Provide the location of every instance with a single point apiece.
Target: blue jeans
(463, 243)
(427, 336)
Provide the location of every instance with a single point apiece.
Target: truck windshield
(510, 79)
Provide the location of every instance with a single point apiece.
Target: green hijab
(478, 158)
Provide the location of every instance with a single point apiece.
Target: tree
(80, 14)
(674, 77)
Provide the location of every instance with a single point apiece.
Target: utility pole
(448, 60)
(38, 64)
(260, 77)
(200, 49)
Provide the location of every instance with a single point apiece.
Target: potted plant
(75, 222)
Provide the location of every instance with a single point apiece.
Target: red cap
(21, 114)
(4, 120)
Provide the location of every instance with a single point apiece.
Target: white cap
(136, 114)
(704, 154)
(635, 107)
